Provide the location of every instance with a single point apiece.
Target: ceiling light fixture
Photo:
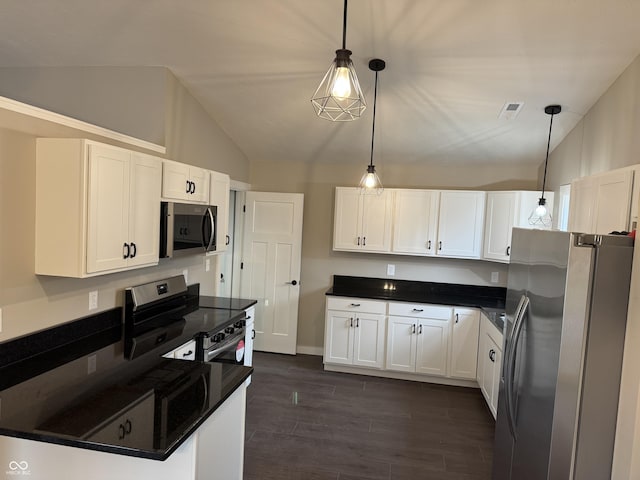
(541, 215)
(370, 182)
(339, 97)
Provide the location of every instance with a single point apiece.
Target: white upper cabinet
(460, 224)
(362, 222)
(97, 208)
(219, 196)
(415, 222)
(184, 182)
(504, 211)
(602, 203)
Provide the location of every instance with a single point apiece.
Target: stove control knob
(228, 330)
(218, 337)
(240, 323)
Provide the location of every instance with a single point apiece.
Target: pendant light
(339, 97)
(541, 216)
(370, 182)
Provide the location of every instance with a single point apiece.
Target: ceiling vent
(510, 110)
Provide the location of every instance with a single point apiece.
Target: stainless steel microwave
(187, 229)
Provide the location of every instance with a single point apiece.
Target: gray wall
(320, 262)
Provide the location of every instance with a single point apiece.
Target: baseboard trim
(401, 376)
(308, 350)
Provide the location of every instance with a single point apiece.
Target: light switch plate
(93, 300)
(495, 277)
(391, 269)
(207, 264)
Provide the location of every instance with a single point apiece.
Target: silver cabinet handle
(509, 250)
(440, 245)
(429, 245)
(413, 328)
(457, 318)
(351, 322)
(358, 240)
(420, 330)
(364, 241)
(357, 322)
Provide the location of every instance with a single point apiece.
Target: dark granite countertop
(72, 384)
(489, 299)
(226, 303)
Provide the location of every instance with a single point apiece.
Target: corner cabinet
(362, 222)
(504, 211)
(219, 196)
(354, 332)
(464, 343)
(460, 224)
(97, 208)
(184, 182)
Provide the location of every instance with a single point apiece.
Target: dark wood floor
(307, 424)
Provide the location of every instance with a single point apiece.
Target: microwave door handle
(212, 224)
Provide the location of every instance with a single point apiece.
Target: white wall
(319, 262)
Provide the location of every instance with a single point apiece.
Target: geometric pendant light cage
(339, 97)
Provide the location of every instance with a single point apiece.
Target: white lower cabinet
(464, 343)
(417, 338)
(354, 332)
(489, 363)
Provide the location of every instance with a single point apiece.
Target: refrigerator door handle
(510, 364)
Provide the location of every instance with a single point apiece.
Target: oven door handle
(232, 344)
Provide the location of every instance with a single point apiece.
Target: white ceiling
(451, 66)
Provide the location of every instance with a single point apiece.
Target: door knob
(292, 282)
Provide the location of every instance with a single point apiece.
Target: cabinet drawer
(420, 310)
(186, 351)
(356, 305)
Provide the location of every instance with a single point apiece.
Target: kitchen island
(74, 406)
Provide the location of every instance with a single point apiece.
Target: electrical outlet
(185, 274)
(91, 364)
(207, 264)
(495, 277)
(391, 269)
(93, 300)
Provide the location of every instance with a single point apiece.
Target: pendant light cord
(373, 128)
(546, 160)
(344, 26)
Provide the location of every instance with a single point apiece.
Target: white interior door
(271, 267)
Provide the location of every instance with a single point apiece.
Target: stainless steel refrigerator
(566, 308)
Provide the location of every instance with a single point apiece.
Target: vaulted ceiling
(451, 67)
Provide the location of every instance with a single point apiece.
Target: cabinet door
(347, 219)
(499, 220)
(144, 209)
(401, 344)
(219, 196)
(415, 218)
(200, 185)
(432, 347)
(338, 341)
(582, 205)
(495, 379)
(464, 343)
(108, 208)
(368, 348)
(376, 222)
(460, 224)
(175, 180)
(613, 199)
